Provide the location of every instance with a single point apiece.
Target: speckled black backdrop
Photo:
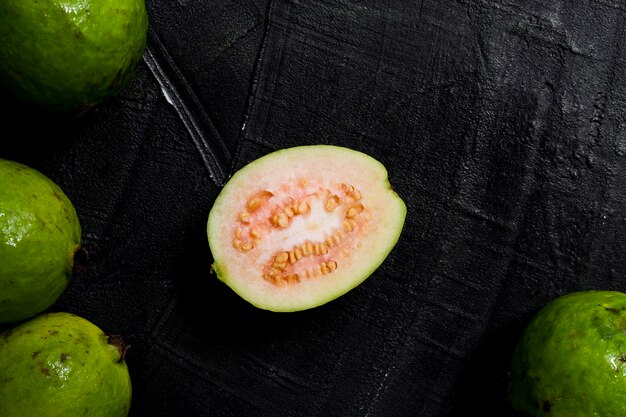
(502, 124)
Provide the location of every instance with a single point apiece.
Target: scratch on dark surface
(600, 104)
(379, 390)
(224, 380)
(532, 263)
(254, 83)
(483, 57)
(384, 37)
(278, 376)
(462, 281)
(208, 144)
(243, 35)
(475, 213)
(156, 330)
(456, 311)
(446, 349)
(201, 372)
(381, 54)
(613, 183)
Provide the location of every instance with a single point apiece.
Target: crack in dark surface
(209, 144)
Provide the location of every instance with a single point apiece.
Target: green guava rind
(277, 162)
(571, 358)
(39, 234)
(67, 55)
(59, 364)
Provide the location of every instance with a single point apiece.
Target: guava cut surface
(571, 358)
(302, 226)
(70, 55)
(62, 365)
(40, 234)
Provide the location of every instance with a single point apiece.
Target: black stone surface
(502, 124)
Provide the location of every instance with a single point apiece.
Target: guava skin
(571, 358)
(70, 55)
(39, 235)
(59, 364)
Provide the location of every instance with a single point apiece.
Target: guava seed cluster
(267, 215)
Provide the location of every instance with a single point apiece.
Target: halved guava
(302, 226)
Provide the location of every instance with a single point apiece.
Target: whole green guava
(59, 364)
(69, 55)
(40, 235)
(571, 358)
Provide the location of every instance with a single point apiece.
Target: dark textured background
(501, 122)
